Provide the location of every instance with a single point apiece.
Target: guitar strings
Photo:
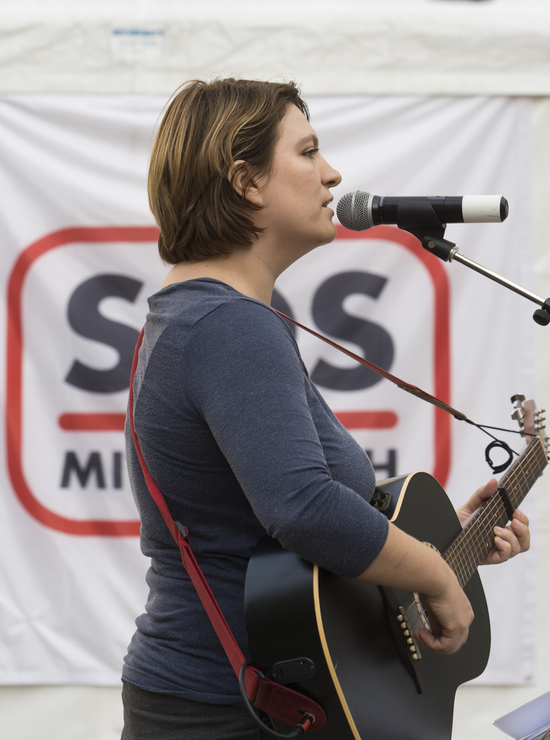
(477, 539)
(471, 546)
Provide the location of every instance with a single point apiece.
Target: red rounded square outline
(441, 334)
(102, 234)
(14, 376)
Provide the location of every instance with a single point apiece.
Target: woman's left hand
(510, 540)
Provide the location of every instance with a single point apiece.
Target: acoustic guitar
(351, 645)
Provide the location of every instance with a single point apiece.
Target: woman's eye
(311, 152)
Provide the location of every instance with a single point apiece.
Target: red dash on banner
(107, 422)
(367, 419)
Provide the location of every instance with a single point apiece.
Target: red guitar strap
(274, 699)
(418, 392)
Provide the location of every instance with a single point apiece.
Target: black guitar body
(338, 641)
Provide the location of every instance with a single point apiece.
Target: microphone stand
(447, 251)
(430, 231)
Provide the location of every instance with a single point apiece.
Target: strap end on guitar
(280, 702)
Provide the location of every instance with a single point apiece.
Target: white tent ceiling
(352, 47)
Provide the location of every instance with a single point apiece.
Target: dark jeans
(151, 716)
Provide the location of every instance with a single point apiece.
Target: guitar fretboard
(471, 546)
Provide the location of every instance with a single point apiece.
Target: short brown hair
(207, 127)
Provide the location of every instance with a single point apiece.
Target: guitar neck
(470, 547)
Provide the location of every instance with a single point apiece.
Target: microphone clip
(419, 218)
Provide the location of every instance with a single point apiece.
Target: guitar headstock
(530, 419)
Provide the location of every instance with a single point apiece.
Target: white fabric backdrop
(70, 589)
(395, 47)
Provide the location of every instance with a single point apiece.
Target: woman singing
(233, 431)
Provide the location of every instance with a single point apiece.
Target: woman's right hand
(450, 614)
(407, 564)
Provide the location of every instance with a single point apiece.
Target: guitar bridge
(404, 639)
(404, 623)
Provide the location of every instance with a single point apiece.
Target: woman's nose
(331, 177)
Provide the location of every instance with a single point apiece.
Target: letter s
(330, 317)
(85, 318)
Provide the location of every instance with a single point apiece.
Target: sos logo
(76, 303)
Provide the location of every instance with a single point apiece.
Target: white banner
(78, 262)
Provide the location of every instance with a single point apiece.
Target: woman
(234, 433)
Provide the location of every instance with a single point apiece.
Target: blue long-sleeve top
(241, 443)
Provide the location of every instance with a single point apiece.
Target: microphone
(359, 210)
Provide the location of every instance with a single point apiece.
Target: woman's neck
(242, 271)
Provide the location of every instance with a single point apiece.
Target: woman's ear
(245, 185)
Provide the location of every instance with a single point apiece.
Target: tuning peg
(519, 413)
(518, 416)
